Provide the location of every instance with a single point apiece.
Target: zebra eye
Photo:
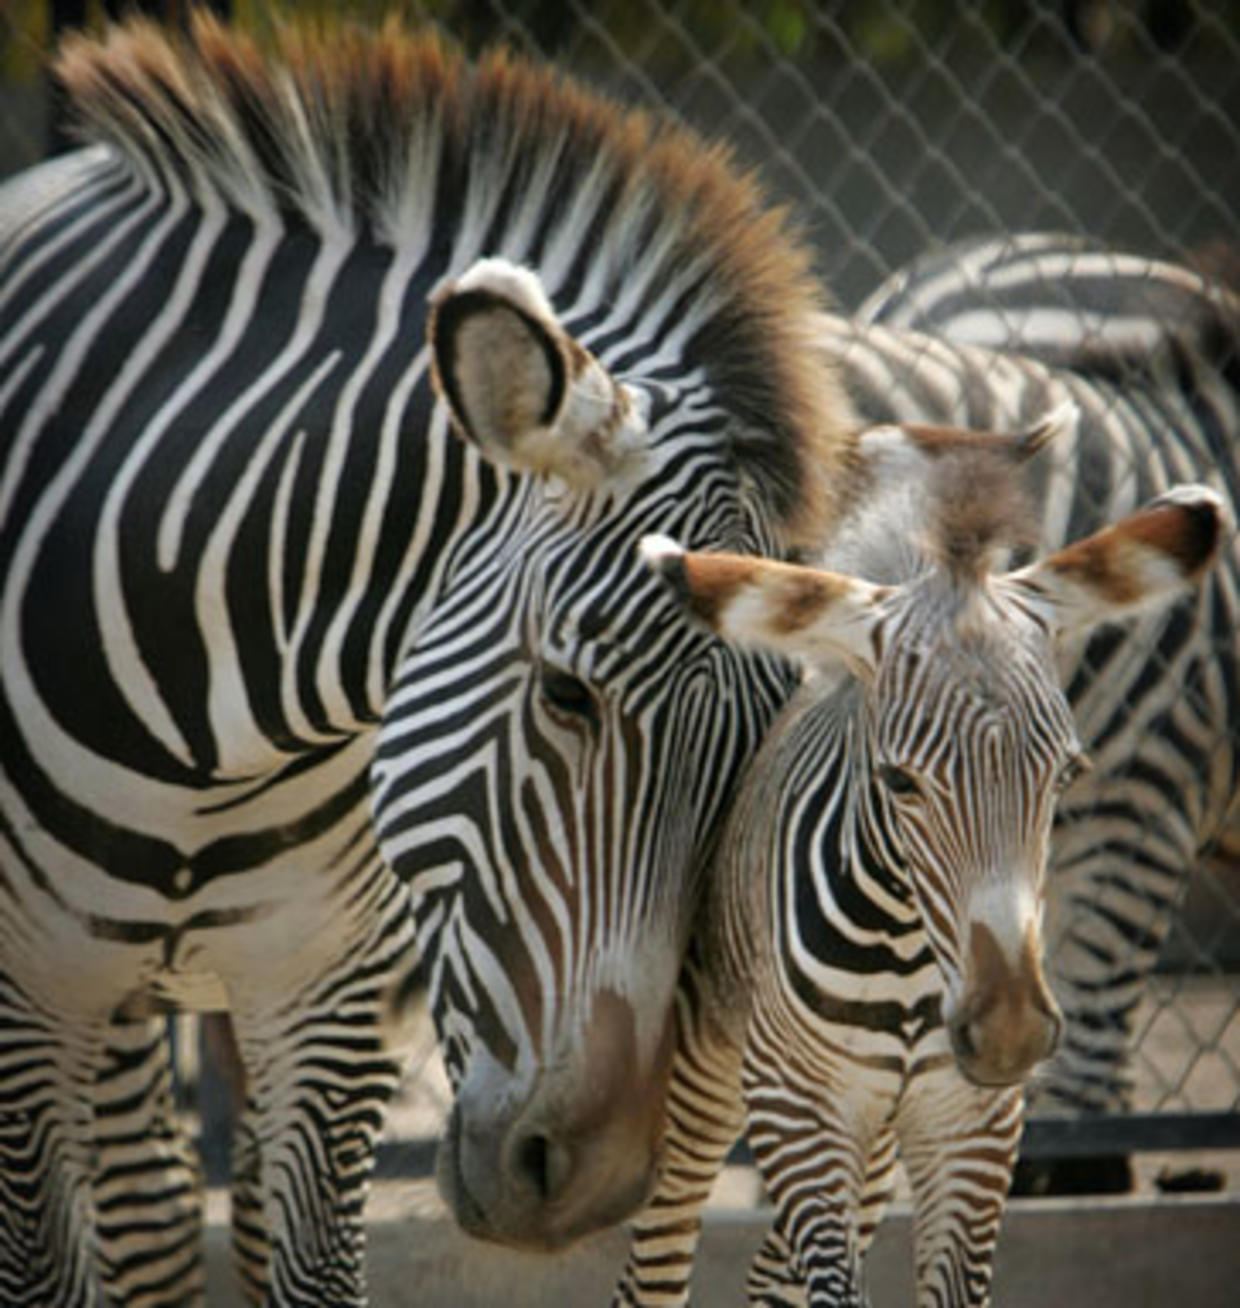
(1074, 768)
(899, 781)
(569, 695)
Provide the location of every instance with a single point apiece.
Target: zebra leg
(879, 1188)
(251, 1242)
(815, 1168)
(704, 1121)
(147, 1185)
(320, 1069)
(47, 1072)
(776, 1277)
(316, 1115)
(958, 1143)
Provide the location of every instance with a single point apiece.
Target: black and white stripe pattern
(228, 505)
(886, 850)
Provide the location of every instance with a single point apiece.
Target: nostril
(542, 1163)
(531, 1161)
(963, 1042)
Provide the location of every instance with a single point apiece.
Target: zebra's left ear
(519, 387)
(819, 617)
(1147, 559)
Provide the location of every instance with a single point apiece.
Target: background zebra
(226, 509)
(874, 928)
(1160, 345)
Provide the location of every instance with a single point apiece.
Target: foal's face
(970, 741)
(968, 731)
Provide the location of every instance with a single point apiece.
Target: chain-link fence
(894, 127)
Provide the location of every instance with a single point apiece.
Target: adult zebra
(227, 506)
(1163, 343)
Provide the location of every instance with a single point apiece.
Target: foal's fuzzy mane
(978, 504)
(344, 129)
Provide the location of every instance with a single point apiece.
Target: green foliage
(24, 35)
(665, 34)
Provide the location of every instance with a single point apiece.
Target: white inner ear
(503, 376)
(839, 635)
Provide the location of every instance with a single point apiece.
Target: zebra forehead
(985, 671)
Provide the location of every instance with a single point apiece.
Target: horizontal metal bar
(1045, 1137)
(1132, 1133)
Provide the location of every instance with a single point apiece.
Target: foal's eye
(898, 780)
(568, 694)
(1071, 770)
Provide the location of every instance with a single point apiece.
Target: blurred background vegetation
(876, 29)
(891, 126)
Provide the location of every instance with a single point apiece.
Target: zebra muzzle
(577, 1153)
(1006, 1021)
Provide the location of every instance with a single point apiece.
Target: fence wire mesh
(893, 128)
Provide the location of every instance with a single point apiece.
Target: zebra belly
(250, 898)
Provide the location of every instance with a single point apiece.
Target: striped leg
(251, 1242)
(879, 1188)
(959, 1147)
(47, 1072)
(814, 1166)
(147, 1185)
(704, 1120)
(318, 1088)
(776, 1276)
(317, 1137)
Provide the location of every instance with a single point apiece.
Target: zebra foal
(1152, 349)
(869, 977)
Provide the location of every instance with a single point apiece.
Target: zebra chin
(578, 1151)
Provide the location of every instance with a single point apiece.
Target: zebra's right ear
(819, 617)
(520, 388)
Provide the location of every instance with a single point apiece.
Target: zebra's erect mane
(396, 135)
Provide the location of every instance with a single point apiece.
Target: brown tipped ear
(1148, 559)
(519, 387)
(821, 617)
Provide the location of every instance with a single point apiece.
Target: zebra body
(229, 505)
(869, 975)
